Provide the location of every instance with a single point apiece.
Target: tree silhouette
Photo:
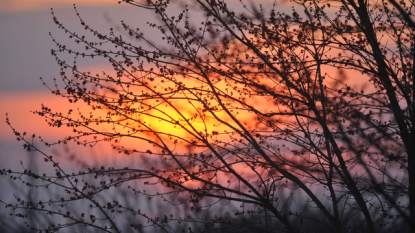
(245, 108)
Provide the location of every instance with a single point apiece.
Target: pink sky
(30, 5)
(25, 56)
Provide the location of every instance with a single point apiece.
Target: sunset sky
(25, 47)
(25, 56)
(27, 6)
(218, 112)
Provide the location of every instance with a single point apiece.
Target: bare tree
(247, 107)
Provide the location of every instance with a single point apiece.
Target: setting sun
(207, 116)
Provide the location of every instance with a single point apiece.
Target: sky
(27, 6)
(25, 47)
(25, 56)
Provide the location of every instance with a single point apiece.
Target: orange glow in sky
(19, 104)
